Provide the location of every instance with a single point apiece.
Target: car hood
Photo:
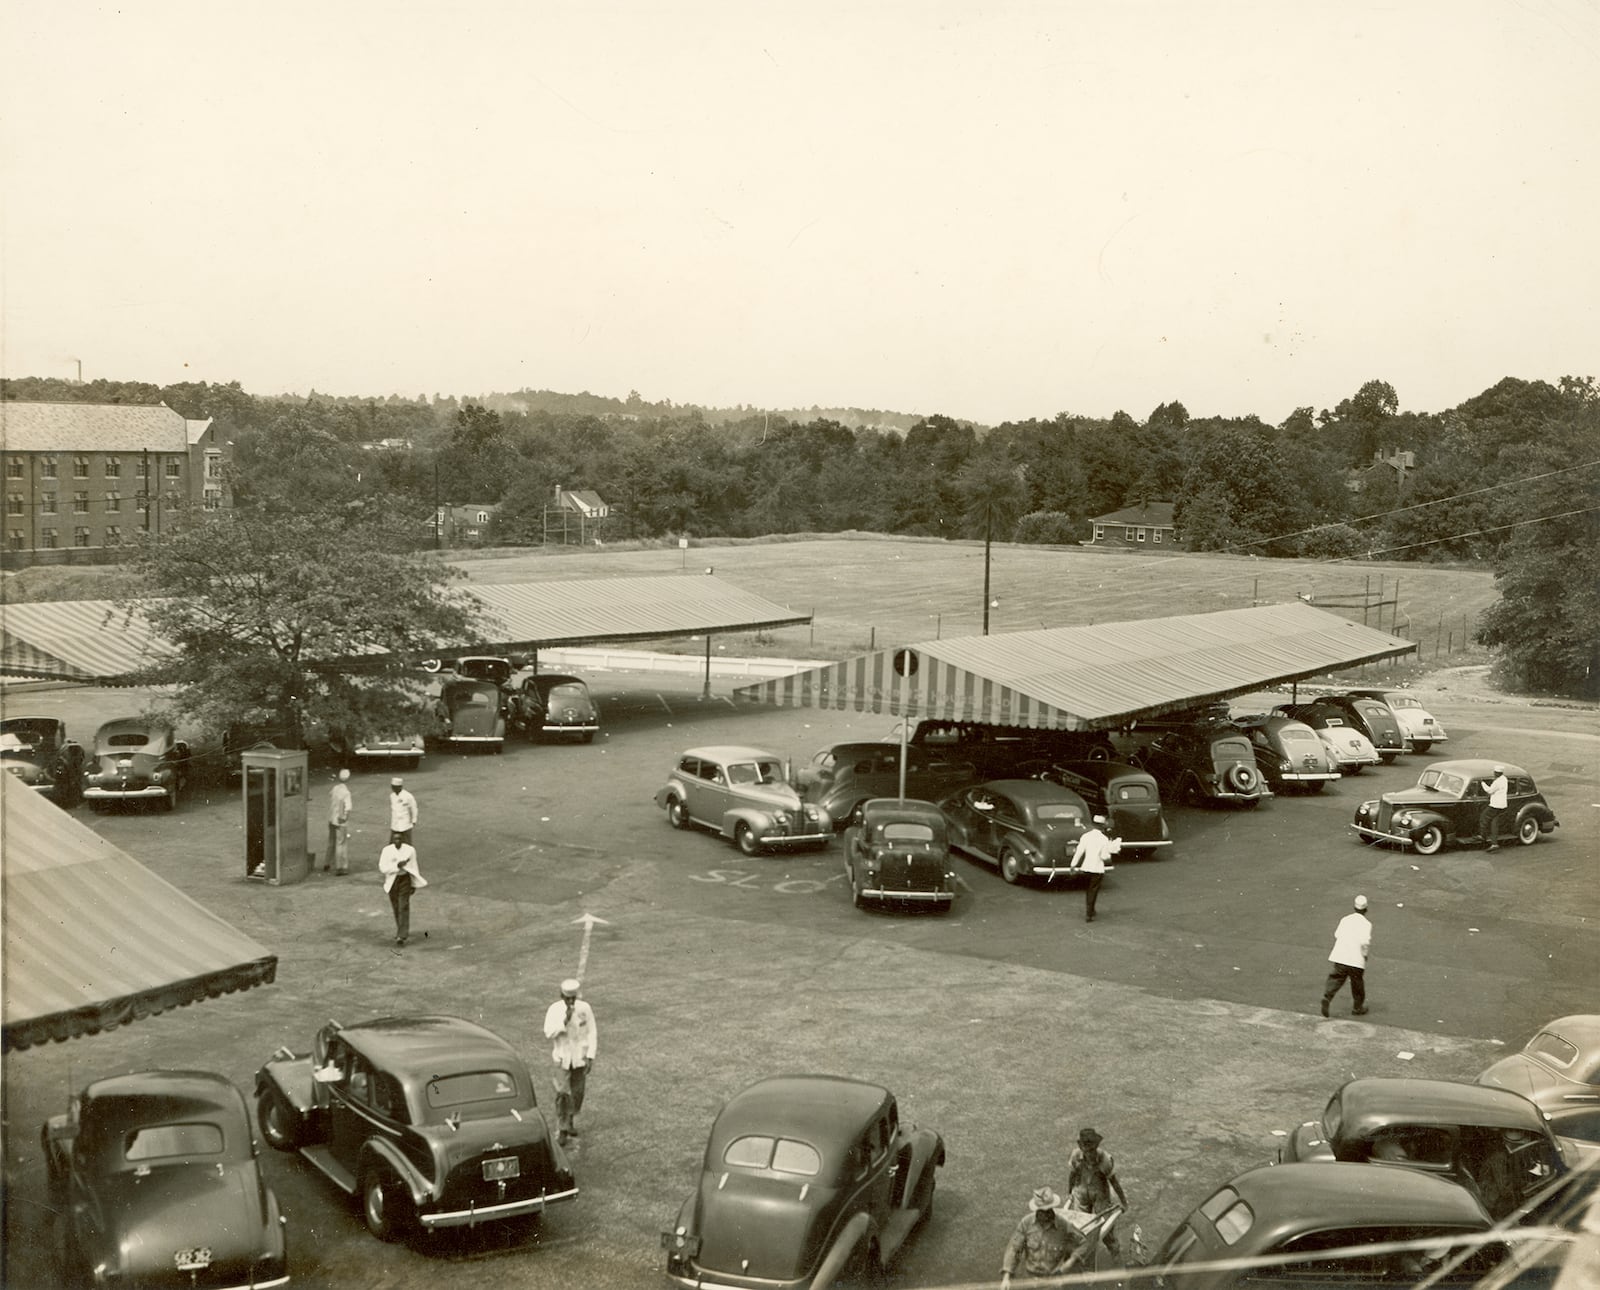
(762, 1227)
(778, 796)
(1520, 1075)
(1420, 797)
(178, 1207)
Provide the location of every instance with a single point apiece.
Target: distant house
(579, 515)
(465, 525)
(1149, 525)
(388, 445)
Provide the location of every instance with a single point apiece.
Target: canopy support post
(705, 693)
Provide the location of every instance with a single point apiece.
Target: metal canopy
(93, 940)
(1089, 678)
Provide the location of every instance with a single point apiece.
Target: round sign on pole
(905, 662)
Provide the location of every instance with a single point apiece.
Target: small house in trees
(1149, 525)
(465, 525)
(579, 515)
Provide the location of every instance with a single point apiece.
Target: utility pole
(988, 533)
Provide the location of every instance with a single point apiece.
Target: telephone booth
(275, 788)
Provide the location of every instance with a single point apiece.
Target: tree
(304, 619)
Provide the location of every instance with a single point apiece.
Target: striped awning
(1089, 678)
(92, 939)
(76, 640)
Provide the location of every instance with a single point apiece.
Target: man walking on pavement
(1093, 850)
(402, 809)
(1091, 1178)
(1499, 791)
(397, 862)
(569, 1021)
(339, 804)
(1352, 942)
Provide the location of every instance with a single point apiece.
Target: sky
(988, 209)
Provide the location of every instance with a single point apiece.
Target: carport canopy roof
(92, 939)
(97, 642)
(1089, 678)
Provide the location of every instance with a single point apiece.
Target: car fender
(758, 821)
(380, 1150)
(1545, 816)
(1421, 818)
(850, 1236)
(292, 1081)
(927, 1154)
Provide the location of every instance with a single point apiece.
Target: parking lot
(1183, 1024)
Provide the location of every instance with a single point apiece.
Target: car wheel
(677, 813)
(1192, 792)
(857, 816)
(385, 1205)
(1528, 830)
(1421, 745)
(1388, 758)
(1314, 787)
(744, 837)
(280, 1127)
(926, 1208)
(1099, 753)
(1429, 839)
(1365, 840)
(1242, 779)
(1010, 866)
(170, 801)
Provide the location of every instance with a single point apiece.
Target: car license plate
(194, 1260)
(500, 1168)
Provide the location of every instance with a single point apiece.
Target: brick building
(1133, 526)
(82, 479)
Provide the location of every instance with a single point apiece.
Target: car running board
(323, 1159)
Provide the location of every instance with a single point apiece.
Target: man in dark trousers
(1091, 1180)
(1352, 942)
(1494, 811)
(1093, 850)
(398, 864)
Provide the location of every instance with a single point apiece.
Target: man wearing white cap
(1352, 942)
(339, 804)
(1499, 791)
(569, 1021)
(402, 809)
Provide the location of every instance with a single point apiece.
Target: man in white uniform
(1352, 942)
(569, 1021)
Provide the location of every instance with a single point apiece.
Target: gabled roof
(583, 498)
(1151, 515)
(92, 427)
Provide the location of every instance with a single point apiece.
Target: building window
(113, 535)
(47, 539)
(1099, 532)
(1155, 535)
(213, 465)
(18, 540)
(174, 468)
(47, 467)
(113, 467)
(213, 499)
(15, 467)
(483, 517)
(80, 503)
(80, 468)
(142, 502)
(1141, 535)
(113, 501)
(47, 503)
(80, 536)
(143, 468)
(14, 504)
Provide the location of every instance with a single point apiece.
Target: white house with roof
(1148, 525)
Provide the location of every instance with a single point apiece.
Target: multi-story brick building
(83, 479)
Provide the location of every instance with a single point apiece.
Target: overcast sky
(992, 210)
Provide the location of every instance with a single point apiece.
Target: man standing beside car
(1499, 791)
(569, 1021)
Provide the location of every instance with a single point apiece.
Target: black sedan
(136, 760)
(1559, 1071)
(1023, 827)
(899, 853)
(1446, 806)
(154, 1181)
(804, 1177)
(37, 751)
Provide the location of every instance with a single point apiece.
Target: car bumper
(1378, 835)
(475, 739)
(1310, 777)
(776, 840)
(94, 794)
(573, 728)
(472, 1216)
(380, 754)
(1130, 844)
(926, 897)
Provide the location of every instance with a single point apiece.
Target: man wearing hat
(569, 1021)
(1091, 1179)
(402, 809)
(1499, 791)
(1044, 1242)
(339, 804)
(1352, 942)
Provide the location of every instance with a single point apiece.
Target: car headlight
(1285, 765)
(781, 818)
(1404, 819)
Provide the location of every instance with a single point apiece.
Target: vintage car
(1558, 1070)
(744, 794)
(1288, 753)
(1199, 758)
(841, 778)
(1024, 827)
(431, 1121)
(1446, 805)
(898, 850)
(1416, 722)
(1002, 752)
(1373, 718)
(37, 751)
(552, 705)
(136, 759)
(1318, 1226)
(1351, 750)
(472, 714)
(1127, 798)
(805, 1178)
(1492, 1141)
(154, 1180)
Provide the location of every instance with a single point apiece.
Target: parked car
(1373, 718)
(432, 1121)
(154, 1180)
(744, 794)
(38, 752)
(841, 778)
(1198, 758)
(472, 714)
(898, 850)
(1001, 752)
(1558, 1070)
(1416, 722)
(1129, 799)
(1447, 804)
(1288, 752)
(1495, 1142)
(484, 667)
(552, 705)
(1349, 748)
(1024, 827)
(1315, 1226)
(389, 748)
(804, 1177)
(136, 759)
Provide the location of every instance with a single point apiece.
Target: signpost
(905, 665)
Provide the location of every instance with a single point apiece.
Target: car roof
(1032, 791)
(190, 1087)
(876, 809)
(113, 1106)
(1103, 772)
(438, 1045)
(556, 678)
(1580, 1029)
(1475, 767)
(826, 1111)
(141, 724)
(730, 752)
(468, 683)
(32, 723)
(1368, 1105)
(1308, 1197)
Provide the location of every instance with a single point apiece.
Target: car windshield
(128, 739)
(1441, 781)
(781, 1154)
(1297, 735)
(571, 691)
(475, 1086)
(157, 1141)
(1552, 1049)
(907, 832)
(472, 698)
(1402, 701)
(1133, 793)
(755, 772)
(1059, 811)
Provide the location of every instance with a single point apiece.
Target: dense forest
(1508, 477)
